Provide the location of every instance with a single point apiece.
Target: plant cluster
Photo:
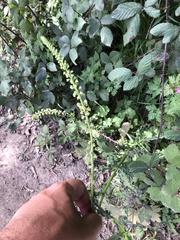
(108, 73)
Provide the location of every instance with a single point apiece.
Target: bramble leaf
(126, 10)
(121, 74)
(138, 166)
(144, 65)
(106, 36)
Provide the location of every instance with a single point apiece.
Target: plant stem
(162, 86)
(108, 183)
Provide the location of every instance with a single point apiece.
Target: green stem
(108, 183)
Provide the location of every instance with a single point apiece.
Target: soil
(24, 170)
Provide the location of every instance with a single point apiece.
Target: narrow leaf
(73, 55)
(126, 10)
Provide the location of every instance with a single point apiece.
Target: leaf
(172, 135)
(171, 187)
(155, 193)
(80, 23)
(99, 5)
(40, 75)
(26, 26)
(138, 166)
(94, 27)
(144, 65)
(131, 83)
(75, 40)
(27, 86)
(104, 57)
(121, 74)
(150, 3)
(106, 36)
(177, 12)
(104, 94)
(73, 55)
(5, 87)
(167, 30)
(70, 14)
(173, 173)
(52, 67)
(64, 50)
(132, 26)
(172, 155)
(152, 12)
(107, 20)
(126, 10)
(91, 96)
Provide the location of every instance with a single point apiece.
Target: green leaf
(174, 204)
(52, 67)
(157, 177)
(75, 40)
(26, 26)
(155, 193)
(122, 74)
(172, 155)
(126, 10)
(5, 87)
(79, 23)
(171, 187)
(138, 166)
(177, 12)
(167, 30)
(45, 129)
(107, 20)
(73, 55)
(150, 3)
(106, 36)
(152, 12)
(94, 27)
(172, 135)
(131, 83)
(23, 3)
(104, 94)
(27, 87)
(99, 5)
(70, 14)
(132, 25)
(104, 57)
(155, 159)
(91, 96)
(173, 173)
(144, 65)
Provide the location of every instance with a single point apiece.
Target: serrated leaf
(106, 36)
(150, 3)
(167, 30)
(175, 204)
(94, 27)
(144, 65)
(138, 166)
(91, 96)
(26, 26)
(5, 87)
(155, 193)
(75, 40)
(155, 159)
(177, 12)
(172, 135)
(122, 74)
(173, 173)
(126, 10)
(152, 12)
(52, 67)
(172, 155)
(157, 177)
(107, 20)
(131, 83)
(132, 25)
(171, 187)
(73, 55)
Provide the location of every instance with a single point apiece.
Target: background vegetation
(108, 73)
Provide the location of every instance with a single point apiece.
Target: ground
(24, 170)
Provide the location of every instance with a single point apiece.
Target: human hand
(52, 215)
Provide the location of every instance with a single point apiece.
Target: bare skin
(51, 215)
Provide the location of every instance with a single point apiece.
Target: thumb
(93, 225)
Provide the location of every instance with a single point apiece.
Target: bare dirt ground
(24, 170)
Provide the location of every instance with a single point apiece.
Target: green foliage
(109, 76)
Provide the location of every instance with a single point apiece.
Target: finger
(80, 196)
(93, 225)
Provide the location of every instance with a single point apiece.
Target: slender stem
(162, 86)
(108, 183)
(8, 45)
(35, 15)
(13, 32)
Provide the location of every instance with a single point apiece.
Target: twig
(37, 18)
(162, 86)
(8, 45)
(110, 139)
(13, 32)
